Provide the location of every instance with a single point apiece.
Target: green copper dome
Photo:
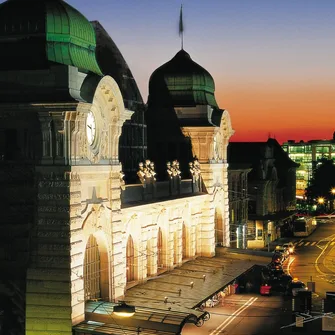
(182, 82)
(35, 32)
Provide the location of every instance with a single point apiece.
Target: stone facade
(75, 191)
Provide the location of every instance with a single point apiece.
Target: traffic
(273, 276)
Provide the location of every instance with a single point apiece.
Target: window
(92, 269)
(130, 260)
(259, 234)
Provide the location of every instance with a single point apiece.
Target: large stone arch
(92, 226)
(132, 228)
(219, 227)
(131, 263)
(162, 242)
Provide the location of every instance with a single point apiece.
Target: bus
(303, 225)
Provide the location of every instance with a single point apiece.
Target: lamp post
(124, 310)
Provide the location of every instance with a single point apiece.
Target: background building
(238, 203)
(307, 154)
(271, 188)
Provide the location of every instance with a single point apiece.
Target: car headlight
(290, 250)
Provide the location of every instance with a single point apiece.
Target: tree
(321, 183)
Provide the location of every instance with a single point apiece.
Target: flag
(181, 25)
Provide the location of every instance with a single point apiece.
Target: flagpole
(181, 27)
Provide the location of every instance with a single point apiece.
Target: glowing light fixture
(124, 310)
(321, 200)
(332, 191)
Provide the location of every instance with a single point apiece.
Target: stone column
(54, 277)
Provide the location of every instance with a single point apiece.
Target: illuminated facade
(307, 154)
(238, 204)
(73, 230)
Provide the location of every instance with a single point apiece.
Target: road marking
(231, 318)
(330, 240)
(300, 244)
(332, 243)
(307, 243)
(313, 243)
(289, 264)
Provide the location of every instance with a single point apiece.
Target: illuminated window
(218, 228)
(184, 242)
(92, 269)
(160, 249)
(175, 256)
(130, 260)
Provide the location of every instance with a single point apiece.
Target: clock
(90, 128)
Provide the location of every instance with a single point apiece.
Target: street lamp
(124, 310)
(321, 200)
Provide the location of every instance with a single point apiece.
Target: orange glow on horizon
(295, 113)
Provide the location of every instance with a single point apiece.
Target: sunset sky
(272, 61)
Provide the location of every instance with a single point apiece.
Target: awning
(101, 320)
(165, 303)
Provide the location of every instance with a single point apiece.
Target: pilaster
(50, 302)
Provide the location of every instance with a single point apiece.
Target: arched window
(219, 231)
(160, 249)
(184, 242)
(130, 260)
(92, 269)
(150, 258)
(176, 248)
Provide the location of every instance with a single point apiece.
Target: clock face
(90, 128)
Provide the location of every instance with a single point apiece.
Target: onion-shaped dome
(182, 82)
(34, 33)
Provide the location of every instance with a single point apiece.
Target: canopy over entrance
(165, 303)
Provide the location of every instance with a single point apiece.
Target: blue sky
(272, 61)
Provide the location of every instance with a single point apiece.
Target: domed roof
(188, 84)
(35, 32)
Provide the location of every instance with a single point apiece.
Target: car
(283, 250)
(290, 247)
(295, 286)
(276, 272)
(265, 289)
(278, 258)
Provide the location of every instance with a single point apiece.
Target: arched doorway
(92, 270)
(130, 257)
(160, 263)
(219, 229)
(150, 258)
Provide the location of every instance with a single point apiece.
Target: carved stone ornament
(146, 172)
(122, 182)
(173, 170)
(195, 169)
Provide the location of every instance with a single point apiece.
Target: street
(253, 314)
(243, 314)
(314, 261)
